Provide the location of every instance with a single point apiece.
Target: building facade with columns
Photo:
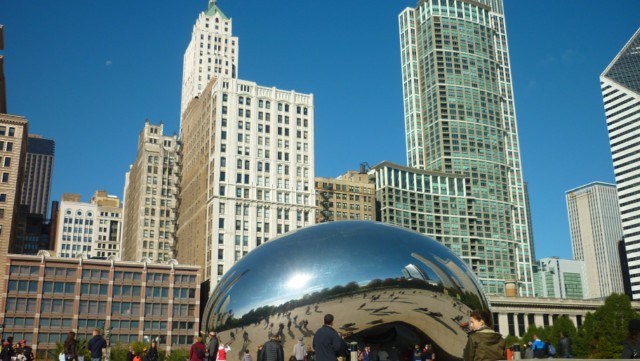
(514, 315)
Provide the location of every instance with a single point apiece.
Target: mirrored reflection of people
(327, 343)
(483, 344)
(631, 346)
(272, 350)
(428, 353)
(299, 349)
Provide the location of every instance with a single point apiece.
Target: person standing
(131, 354)
(564, 346)
(198, 350)
(71, 347)
(417, 353)
(96, 344)
(631, 346)
(223, 351)
(483, 344)
(272, 350)
(212, 346)
(299, 350)
(7, 349)
(538, 347)
(327, 343)
(152, 353)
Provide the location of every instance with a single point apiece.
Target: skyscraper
(620, 83)
(594, 221)
(246, 155)
(460, 119)
(150, 197)
(212, 52)
(36, 189)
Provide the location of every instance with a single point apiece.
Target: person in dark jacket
(327, 343)
(152, 353)
(212, 346)
(7, 349)
(484, 344)
(631, 346)
(564, 346)
(96, 344)
(71, 347)
(131, 354)
(272, 350)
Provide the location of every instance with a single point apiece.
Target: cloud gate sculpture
(387, 287)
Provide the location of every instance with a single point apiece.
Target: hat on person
(634, 325)
(300, 338)
(211, 333)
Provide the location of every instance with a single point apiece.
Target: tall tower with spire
(212, 52)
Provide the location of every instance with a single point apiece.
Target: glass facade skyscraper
(460, 119)
(620, 84)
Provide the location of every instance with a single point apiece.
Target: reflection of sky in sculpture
(335, 254)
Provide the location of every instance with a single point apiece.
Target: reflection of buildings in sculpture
(462, 278)
(443, 276)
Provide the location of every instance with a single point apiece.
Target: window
(7, 161)
(5, 177)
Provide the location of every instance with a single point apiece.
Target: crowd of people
(19, 351)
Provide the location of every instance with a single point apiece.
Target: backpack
(199, 353)
(552, 350)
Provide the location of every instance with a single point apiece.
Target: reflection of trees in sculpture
(256, 316)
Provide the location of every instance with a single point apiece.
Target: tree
(603, 332)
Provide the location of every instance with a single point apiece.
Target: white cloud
(108, 63)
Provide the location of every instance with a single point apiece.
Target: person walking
(96, 344)
(272, 350)
(71, 347)
(212, 346)
(299, 350)
(247, 356)
(483, 344)
(327, 342)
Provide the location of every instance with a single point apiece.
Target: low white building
(89, 229)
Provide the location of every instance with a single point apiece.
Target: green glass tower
(460, 119)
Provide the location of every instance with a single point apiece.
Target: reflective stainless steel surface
(386, 286)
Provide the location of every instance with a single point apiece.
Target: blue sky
(88, 74)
